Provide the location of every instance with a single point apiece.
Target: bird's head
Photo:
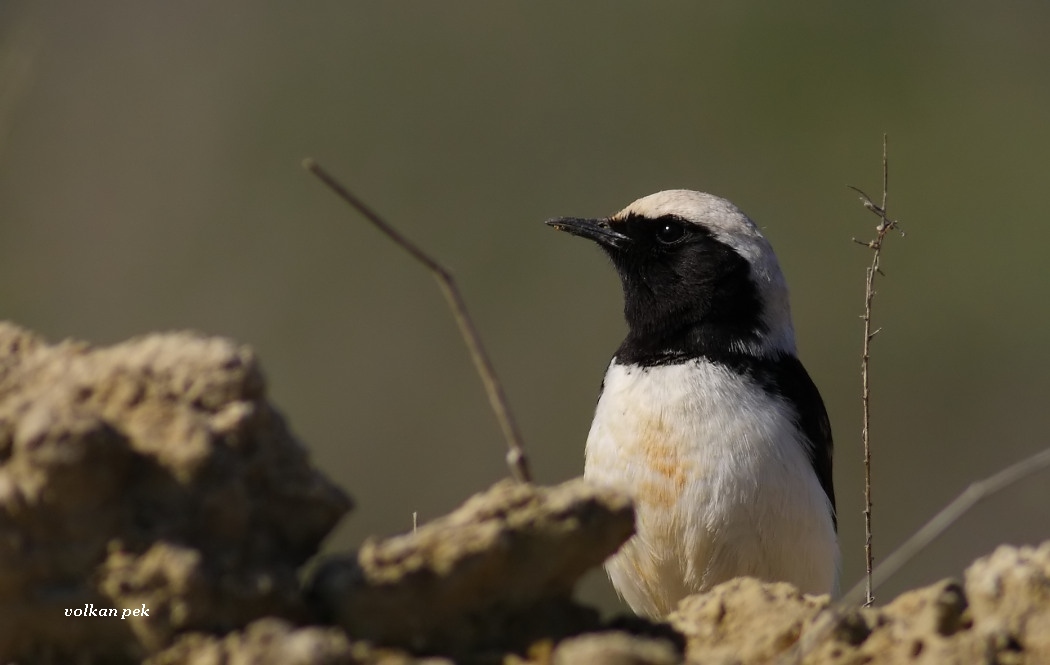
(698, 276)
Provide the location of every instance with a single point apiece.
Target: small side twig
(516, 460)
(885, 226)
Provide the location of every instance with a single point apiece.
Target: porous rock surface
(264, 642)
(615, 648)
(153, 474)
(1009, 594)
(499, 570)
(744, 620)
(1000, 615)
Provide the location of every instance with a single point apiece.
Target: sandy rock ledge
(497, 572)
(155, 474)
(152, 473)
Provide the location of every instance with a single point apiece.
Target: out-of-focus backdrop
(150, 180)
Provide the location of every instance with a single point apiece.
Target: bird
(706, 417)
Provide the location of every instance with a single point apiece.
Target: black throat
(696, 300)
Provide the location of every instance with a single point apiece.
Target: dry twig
(978, 491)
(885, 226)
(516, 460)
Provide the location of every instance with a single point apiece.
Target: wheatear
(706, 416)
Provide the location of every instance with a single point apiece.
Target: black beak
(597, 230)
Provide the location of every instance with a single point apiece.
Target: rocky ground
(155, 476)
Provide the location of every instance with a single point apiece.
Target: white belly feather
(722, 485)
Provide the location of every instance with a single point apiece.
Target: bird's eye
(669, 233)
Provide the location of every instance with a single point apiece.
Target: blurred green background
(150, 180)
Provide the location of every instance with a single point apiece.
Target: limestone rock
(744, 620)
(264, 642)
(500, 568)
(928, 625)
(153, 475)
(1001, 615)
(1009, 594)
(615, 648)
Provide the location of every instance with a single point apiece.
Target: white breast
(721, 482)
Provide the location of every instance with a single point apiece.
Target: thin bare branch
(885, 226)
(516, 460)
(978, 491)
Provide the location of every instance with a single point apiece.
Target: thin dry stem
(516, 460)
(978, 491)
(885, 226)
